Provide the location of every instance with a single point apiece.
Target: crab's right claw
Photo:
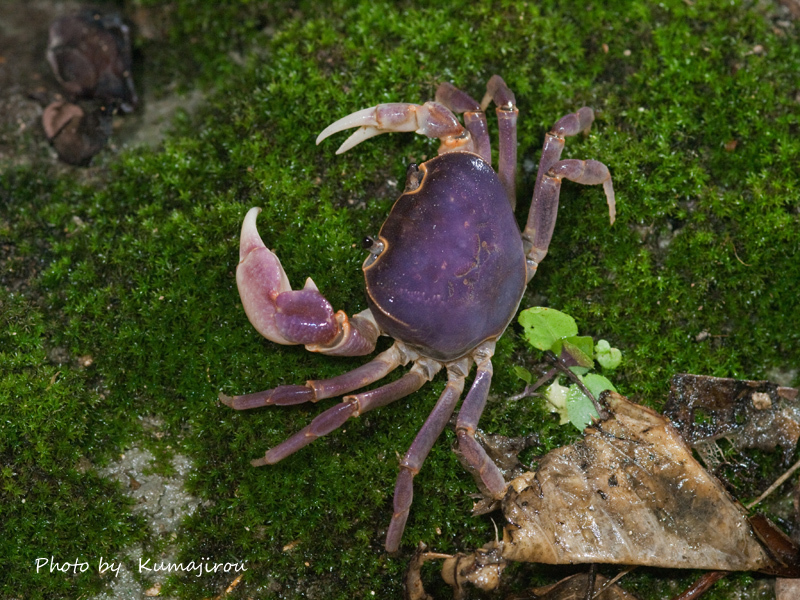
(287, 316)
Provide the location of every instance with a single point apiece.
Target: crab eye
(413, 177)
(375, 248)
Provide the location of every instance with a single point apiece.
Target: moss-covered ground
(118, 299)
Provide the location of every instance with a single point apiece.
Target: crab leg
(431, 119)
(352, 406)
(544, 209)
(420, 448)
(467, 422)
(315, 390)
(567, 126)
(474, 118)
(544, 206)
(497, 91)
(294, 317)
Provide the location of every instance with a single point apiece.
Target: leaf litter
(631, 493)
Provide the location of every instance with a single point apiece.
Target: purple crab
(444, 277)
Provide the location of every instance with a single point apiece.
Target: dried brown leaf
(630, 492)
(750, 414)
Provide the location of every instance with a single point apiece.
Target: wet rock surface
(163, 502)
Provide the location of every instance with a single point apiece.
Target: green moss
(143, 280)
(52, 502)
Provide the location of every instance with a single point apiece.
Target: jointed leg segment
(314, 390)
(567, 126)
(418, 452)
(497, 91)
(474, 117)
(352, 406)
(544, 206)
(467, 423)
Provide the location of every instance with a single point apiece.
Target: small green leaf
(580, 349)
(578, 370)
(608, 357)
(523, 374)
(597, 384)
(580, 408)
(543, 327)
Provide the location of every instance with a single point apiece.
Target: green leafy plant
(553, 331)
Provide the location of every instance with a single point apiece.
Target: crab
(444, 277)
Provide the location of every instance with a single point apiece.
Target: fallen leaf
(630, 493)
(750, 414)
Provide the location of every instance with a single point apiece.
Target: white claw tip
(358, 136)
(360, 118)
(249, 239)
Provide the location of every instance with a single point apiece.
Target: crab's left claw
(303, 316)
(431, 119)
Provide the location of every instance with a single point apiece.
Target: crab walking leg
(541, 218)
(498, 92)
(544, 208)
(302, 316)
(420, 448)
(462, 103)
(431, 119)
(467, 422)
(352, 406)
(315, 390)
(567, 126)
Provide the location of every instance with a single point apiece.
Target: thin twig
(778, 482)
(591, 578)
(529, 389)
(611, 582)
(736, 255)
(601, 411)
(230, 588)
(702, 585)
